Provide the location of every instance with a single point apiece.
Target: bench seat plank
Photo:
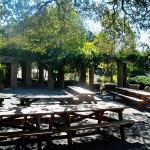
(28, 133)
(127, 97)
(119, 123)
(99, 125)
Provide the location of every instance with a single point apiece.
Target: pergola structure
(13, 62)
(26, 66)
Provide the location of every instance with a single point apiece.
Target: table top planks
(52, 109)
(44, 96)
(2, 96)
(81, 90)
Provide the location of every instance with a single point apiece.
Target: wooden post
(50, 79)
(83, 75)
(91, 76)
(28, 73)
(121, 75)
(14, 75)
(60, 77)
(41, 74)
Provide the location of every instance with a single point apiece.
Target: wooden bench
(120, 123)
(135, 99)
(13, 134)
(22, 137)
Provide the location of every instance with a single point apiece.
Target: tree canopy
(54, 30)
(135, 11)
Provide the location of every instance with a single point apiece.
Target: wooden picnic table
(142, 94)
(26, 100)
(68, 113)
(82, 94)
(139, 96)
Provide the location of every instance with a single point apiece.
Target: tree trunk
(41, 74)
(60, 77)
(121, 75)
(111, 75)
(91, 76)
(50, 79)
(83, 75)
(124, 75)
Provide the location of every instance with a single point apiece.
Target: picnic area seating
(71, 130)
(138, 96)
(82, 94)
(28, 120)
(67, 120)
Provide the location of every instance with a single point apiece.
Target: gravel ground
(138, 136)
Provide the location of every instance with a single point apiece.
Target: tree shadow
(104, 141)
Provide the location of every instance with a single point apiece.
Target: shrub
(107, 79)
(2, 73)
(142, 80)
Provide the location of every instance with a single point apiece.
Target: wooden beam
(9, 59)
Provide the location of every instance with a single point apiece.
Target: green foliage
(138, 63)
(142, 80)
(136, 11)
(119, 36)
(71, 83)
(105, 79)
(90, 36)
(2, 72)
(53, 30)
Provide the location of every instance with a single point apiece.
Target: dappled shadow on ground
(138, 136)
(104, 141)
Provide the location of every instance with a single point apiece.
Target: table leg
(99, 116)
(24, 121)
(22, 101)
(1, 101)
(49, 138)
(27, 102)
(120, 114)
(51, 121)
(38, 117)
(69, 134)
(122, 133)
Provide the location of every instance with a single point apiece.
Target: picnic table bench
(138, 96)
(119, 123)
(27, 133)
